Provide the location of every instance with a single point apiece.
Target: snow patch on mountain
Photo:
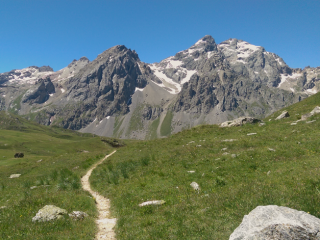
(237, 50)
(167, 83)
(285, 78)
(138, 89)
(311, 91)
(27, 75)
(188, 76)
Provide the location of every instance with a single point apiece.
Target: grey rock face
(274, 222)
(49, 213)
(45, 69)
(41, 92)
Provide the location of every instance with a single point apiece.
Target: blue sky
(54, 32)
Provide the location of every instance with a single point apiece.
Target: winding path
(105, 224)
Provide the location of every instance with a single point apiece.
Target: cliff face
(118, 95)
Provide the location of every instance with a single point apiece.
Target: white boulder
(274, 222)
(49, 213)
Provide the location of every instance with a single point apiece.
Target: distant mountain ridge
(119, 95)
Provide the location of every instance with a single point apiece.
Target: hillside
(279, 165)
(54, 160)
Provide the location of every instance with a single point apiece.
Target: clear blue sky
(54, 32)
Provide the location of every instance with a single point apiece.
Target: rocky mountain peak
(45, 69)
(206, 44)
(238, 50)
(84, 59)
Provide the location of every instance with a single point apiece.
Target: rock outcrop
(239, 122)
(40, 93)
(49, 213)
(316, 110)
(274, 222)
(284, 114)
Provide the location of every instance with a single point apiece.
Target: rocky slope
(118, 95)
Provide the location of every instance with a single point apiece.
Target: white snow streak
(311, 91)
(285, 78)
(187, 78)
(138, 89)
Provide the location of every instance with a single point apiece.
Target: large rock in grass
(284, 114)
(239, 122)
(49, 213)
(274, 222)
(316, 110)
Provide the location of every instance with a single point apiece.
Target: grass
(135, 120)
(165, 129)
(152, 134)
(54, 161)
(231, 187)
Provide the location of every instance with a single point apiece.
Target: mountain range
(118, 95)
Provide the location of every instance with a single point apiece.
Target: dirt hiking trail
(105, 224)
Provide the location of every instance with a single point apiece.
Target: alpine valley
(118, 95)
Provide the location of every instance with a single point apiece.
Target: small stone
(191, 171)
(33, 187)
(249, 134)
(154, 202)
(293, 123)
(39, 160)
(15, 175)
(311, 121)
(3, 207)
(229, 140)
(233, 155)
(195, 186)
(262, 124)
(191, 142)
(225, 153)
(224, 149)
(271, 149)
(75, 168)
(78, 215)
(268, 172)
(198, 146)
(217, 159)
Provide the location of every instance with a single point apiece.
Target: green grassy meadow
(54, 161)
(279, 165)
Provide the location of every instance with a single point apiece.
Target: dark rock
(41, 92)
(45, 69)
(19, 155)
